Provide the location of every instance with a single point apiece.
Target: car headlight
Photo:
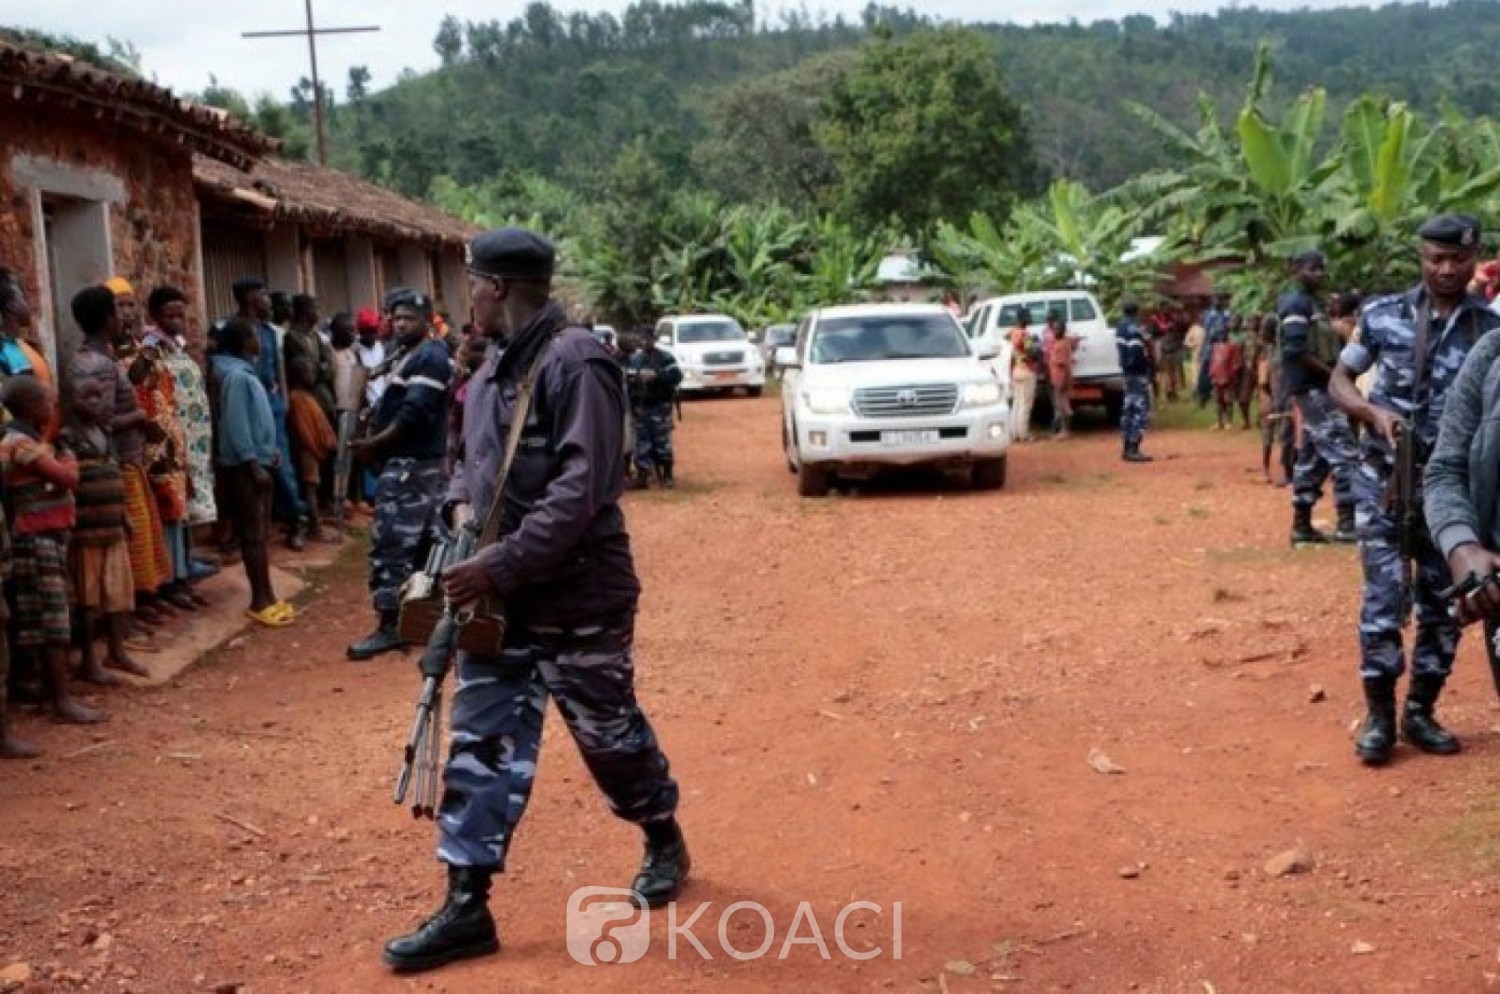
(981, 394)
(826, 400)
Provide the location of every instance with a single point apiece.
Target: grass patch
(1183, 415)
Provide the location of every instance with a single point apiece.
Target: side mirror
(664, 340)
(786, 358)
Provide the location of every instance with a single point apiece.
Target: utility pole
(311, 33)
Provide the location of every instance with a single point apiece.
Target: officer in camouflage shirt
(1406, 397)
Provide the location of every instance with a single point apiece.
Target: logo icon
(607, 925)
(906, 398)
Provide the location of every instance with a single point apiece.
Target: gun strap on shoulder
(1419, 358)
(524, 394)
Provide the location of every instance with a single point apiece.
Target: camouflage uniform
(497, 735)
(1135, 412)
(653, 436)
(1327, 447)
(1388, 332)
(408, 497)
(570, 597)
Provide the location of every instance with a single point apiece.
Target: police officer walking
(1135, 364)
(563, 567)
(653, 375)
(1416, 341)
(407, 440)
(1309, 351)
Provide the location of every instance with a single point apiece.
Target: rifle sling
(491, 530)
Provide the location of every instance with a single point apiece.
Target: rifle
(1402, 505)
(1459, 594)
(422, 756)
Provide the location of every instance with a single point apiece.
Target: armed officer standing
(407, 440)
(1309, 351)
(654, 376)
(563, 567)
(1416, 342)
(1135, 363)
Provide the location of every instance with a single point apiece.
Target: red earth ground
(888, 697)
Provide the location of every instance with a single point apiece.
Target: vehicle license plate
(923, 436)
(1086, 393)
(725, 376)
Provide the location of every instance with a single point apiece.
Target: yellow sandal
(269, 617)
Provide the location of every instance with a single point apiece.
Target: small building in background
(103, 174)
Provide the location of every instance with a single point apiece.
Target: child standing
(1226, 359)
(40, 483)
(1060, 373)
(247, 454)
(99, 554)
(10, 746)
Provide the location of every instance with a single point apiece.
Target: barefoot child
(40, 485)
(99, 554)
(1226, 360)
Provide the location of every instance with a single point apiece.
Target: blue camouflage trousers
(1327, 447)
(497, 735)
(1385, 606)
(408, 496)
(653, 436)
(1135, 413)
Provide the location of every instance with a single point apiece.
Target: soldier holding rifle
(1416, 342)
(562, 566)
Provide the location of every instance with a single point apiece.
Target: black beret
(511, 254)
(405, 296)
(1309, 257)
(248, 284)
(1453, 230)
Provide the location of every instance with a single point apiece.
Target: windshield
(710, 331)
(888, 336)
(1073, 309)
(781, 334)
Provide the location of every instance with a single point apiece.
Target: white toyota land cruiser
(878, 385)
(714, 352)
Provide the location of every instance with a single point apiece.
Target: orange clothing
(1060, 361)
(43, 372)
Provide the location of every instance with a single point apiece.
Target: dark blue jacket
(416, 402)
(1131, 344)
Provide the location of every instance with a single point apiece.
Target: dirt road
(888, 698)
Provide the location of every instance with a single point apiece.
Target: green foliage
(923, 129)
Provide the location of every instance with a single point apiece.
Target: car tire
(753, 391)
(990, 474)
(786, 448)
(813, 481)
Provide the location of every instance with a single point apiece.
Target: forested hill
(730, 105)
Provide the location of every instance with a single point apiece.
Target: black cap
(248, 284)
(511, 254)
(1452, 230)
(405, 296)
(1308, 258)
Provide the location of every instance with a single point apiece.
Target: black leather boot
(642, 480)
(385, 638)
(665, 867)
(1418, 726)
(1376, 738)
(664, 470)
(1133, 453)
(462, 928)
(1303, 532)
(1346, 534)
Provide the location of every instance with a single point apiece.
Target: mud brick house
(101, 174)
(332, 235)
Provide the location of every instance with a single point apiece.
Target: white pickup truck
(1096, 361)
(714, 352)
(879, 385)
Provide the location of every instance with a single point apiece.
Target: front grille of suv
(723, 358)
(906, 402)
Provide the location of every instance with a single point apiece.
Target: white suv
(714, 353)
(1097, 378)
(878, 385)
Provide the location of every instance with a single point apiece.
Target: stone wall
(153, 220)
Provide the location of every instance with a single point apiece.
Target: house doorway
(76, 233)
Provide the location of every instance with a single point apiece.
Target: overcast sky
(182, 42)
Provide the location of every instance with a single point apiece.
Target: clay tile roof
(330, 201)
(58, 80)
